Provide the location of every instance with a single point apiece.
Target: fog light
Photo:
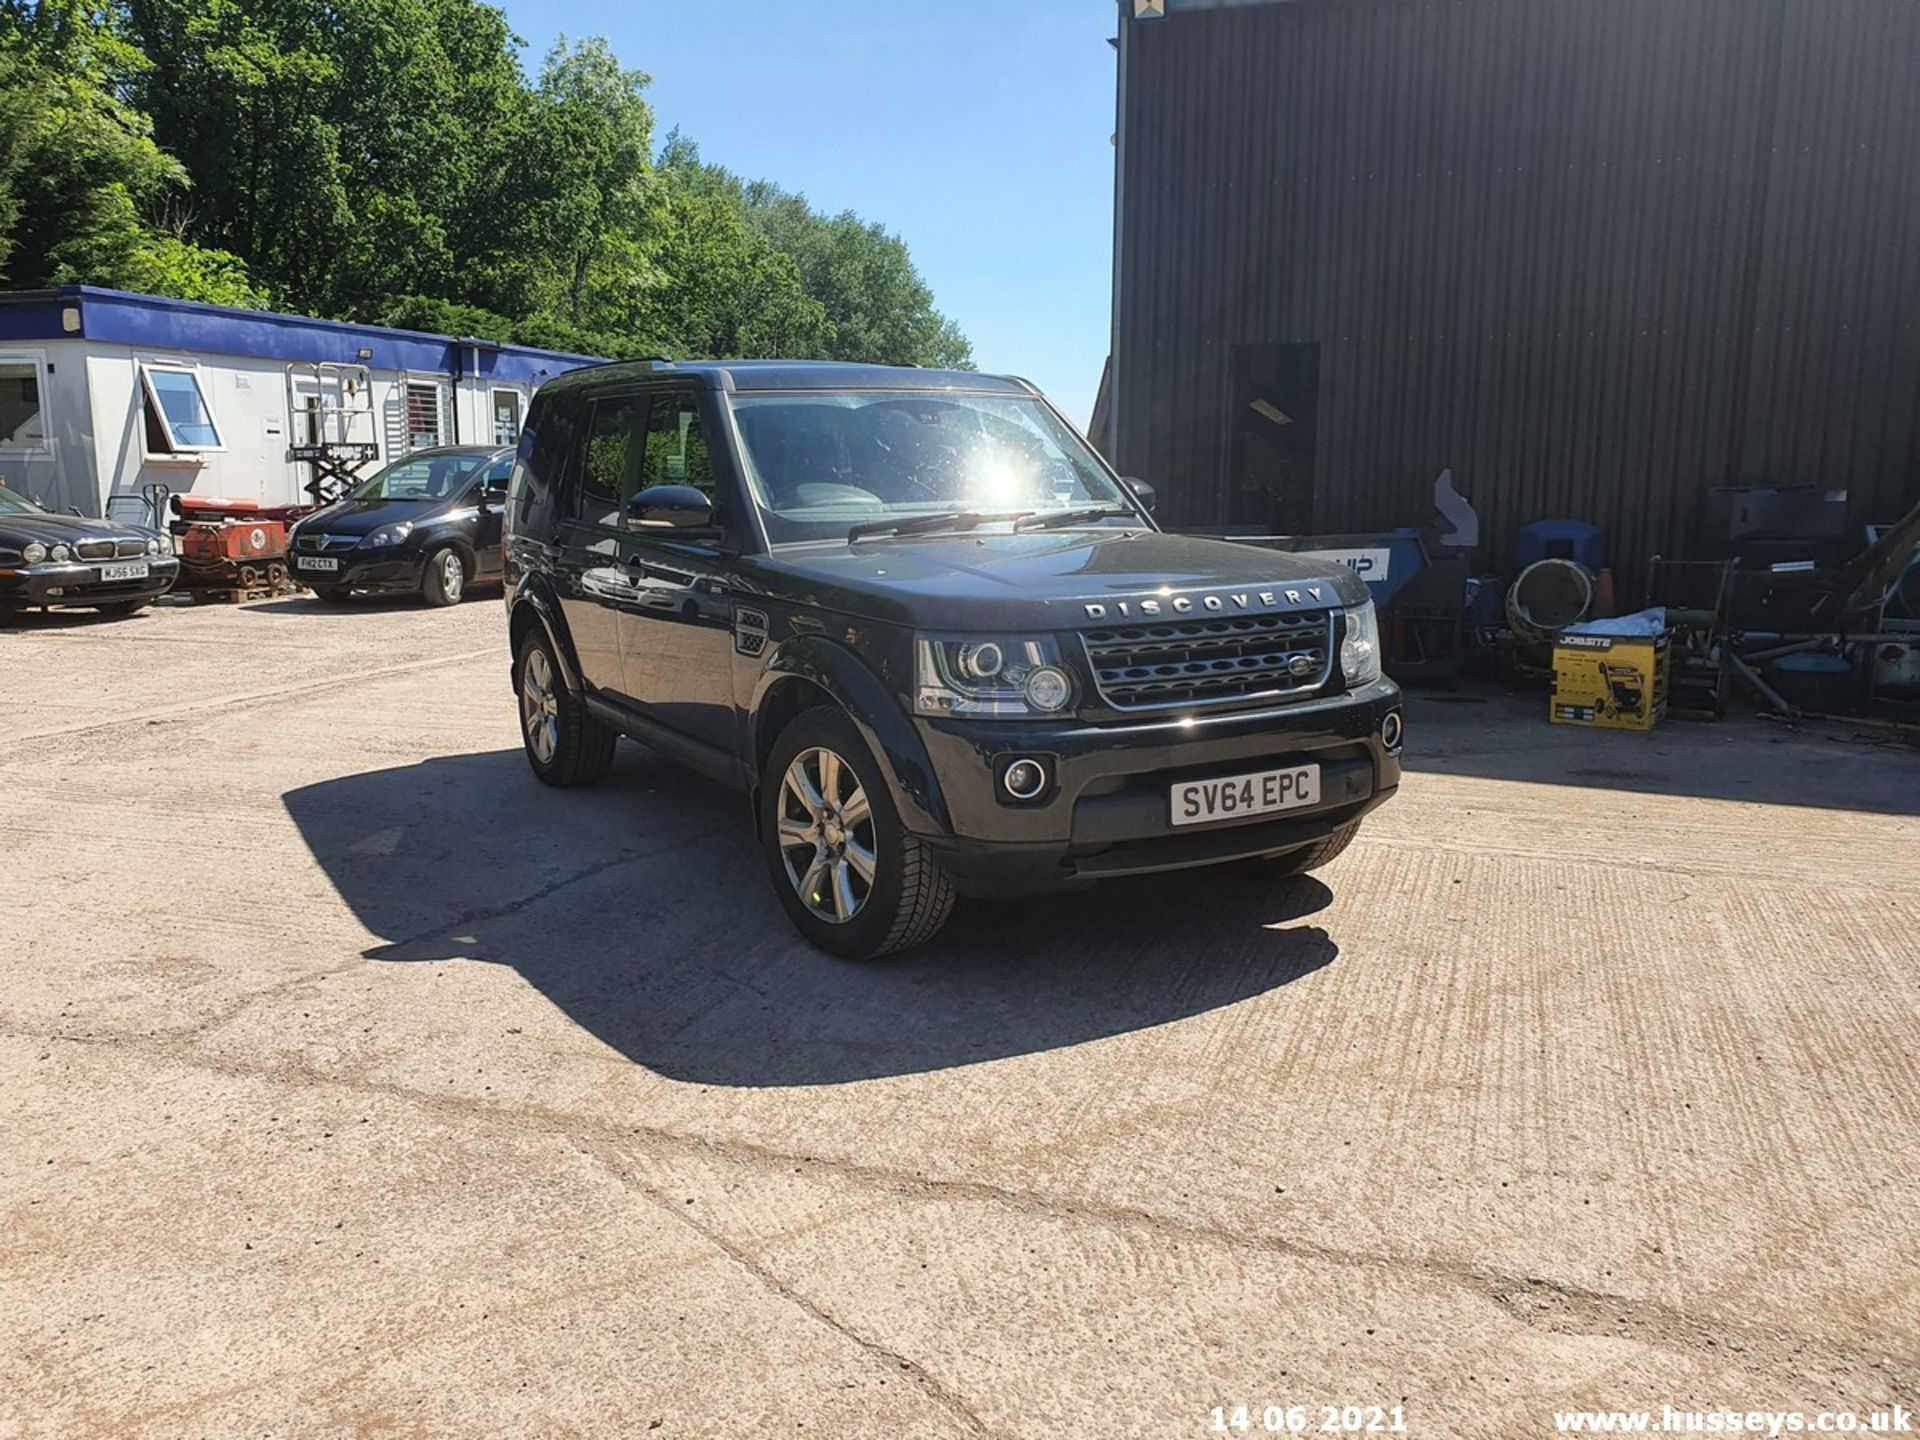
(1024, 779)
(1390, 730)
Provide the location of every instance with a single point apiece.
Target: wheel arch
(452, 540)
(534, 605)
(810, 670)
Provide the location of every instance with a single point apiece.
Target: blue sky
(976, 130)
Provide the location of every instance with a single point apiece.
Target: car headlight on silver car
(1360, 649)
(1009, 676)
(390, 534)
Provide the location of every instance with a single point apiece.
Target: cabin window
(506, 417)
(423, 415)
(23, 411)
(179, 420)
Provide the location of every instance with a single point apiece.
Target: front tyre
(848, 874)
(444, 580)
(564, 744)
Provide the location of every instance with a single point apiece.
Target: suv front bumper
(1106, 811)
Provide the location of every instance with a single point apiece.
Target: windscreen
(422, 477)
(822, 463)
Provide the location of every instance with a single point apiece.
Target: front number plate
(1200, 802)
(135, 571)
(315, 562)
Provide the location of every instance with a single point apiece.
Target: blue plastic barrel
(1560, 540)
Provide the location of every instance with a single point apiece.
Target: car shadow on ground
(42, 621)
(478, 592)
(642, 909)
(1496, 733)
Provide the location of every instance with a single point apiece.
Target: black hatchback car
(426, 524)
(940, 643)
(69, 561)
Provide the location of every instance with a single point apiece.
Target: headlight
(34, 552)
(1004, 675)
(390, 534)
(59, 552)
(1360, 650)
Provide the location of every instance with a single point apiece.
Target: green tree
(722, 290)
(243, 99)
(877, 307)
(85, 193)
(389, 160)
(342, 148)
(586, 172)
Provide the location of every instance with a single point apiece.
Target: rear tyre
(120, 609)
(445, 578)
(848, 874)
(1321, 852)
(564, 744)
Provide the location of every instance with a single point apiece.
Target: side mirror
(1142, 491)
(670, 507)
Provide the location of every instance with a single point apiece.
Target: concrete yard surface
(353, 1084)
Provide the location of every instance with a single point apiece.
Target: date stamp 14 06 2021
(1307, 1419)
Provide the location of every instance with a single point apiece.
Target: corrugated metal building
(1595, 255)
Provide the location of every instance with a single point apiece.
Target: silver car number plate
(1199, 802)
(315, 562)
(136, 571)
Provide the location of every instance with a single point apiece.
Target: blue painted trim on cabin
(154, 322)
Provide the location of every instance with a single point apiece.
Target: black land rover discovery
(941, 645)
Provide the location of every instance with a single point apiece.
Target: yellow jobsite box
(1613, 682)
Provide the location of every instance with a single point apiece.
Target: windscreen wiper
(1053, 519)
(925, 524)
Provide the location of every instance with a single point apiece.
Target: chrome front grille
(1210, 661)
(108, 549)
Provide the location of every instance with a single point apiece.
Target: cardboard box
(1610, 682)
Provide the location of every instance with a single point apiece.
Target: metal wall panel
(1596, 255)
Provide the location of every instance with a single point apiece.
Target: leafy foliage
(80, 173)
(876, 306)
(389, 160)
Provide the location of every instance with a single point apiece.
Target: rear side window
(613, 463)
(540, 494)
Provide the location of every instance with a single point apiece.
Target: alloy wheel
(540, 706)
(827, 835)
(453, 576)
